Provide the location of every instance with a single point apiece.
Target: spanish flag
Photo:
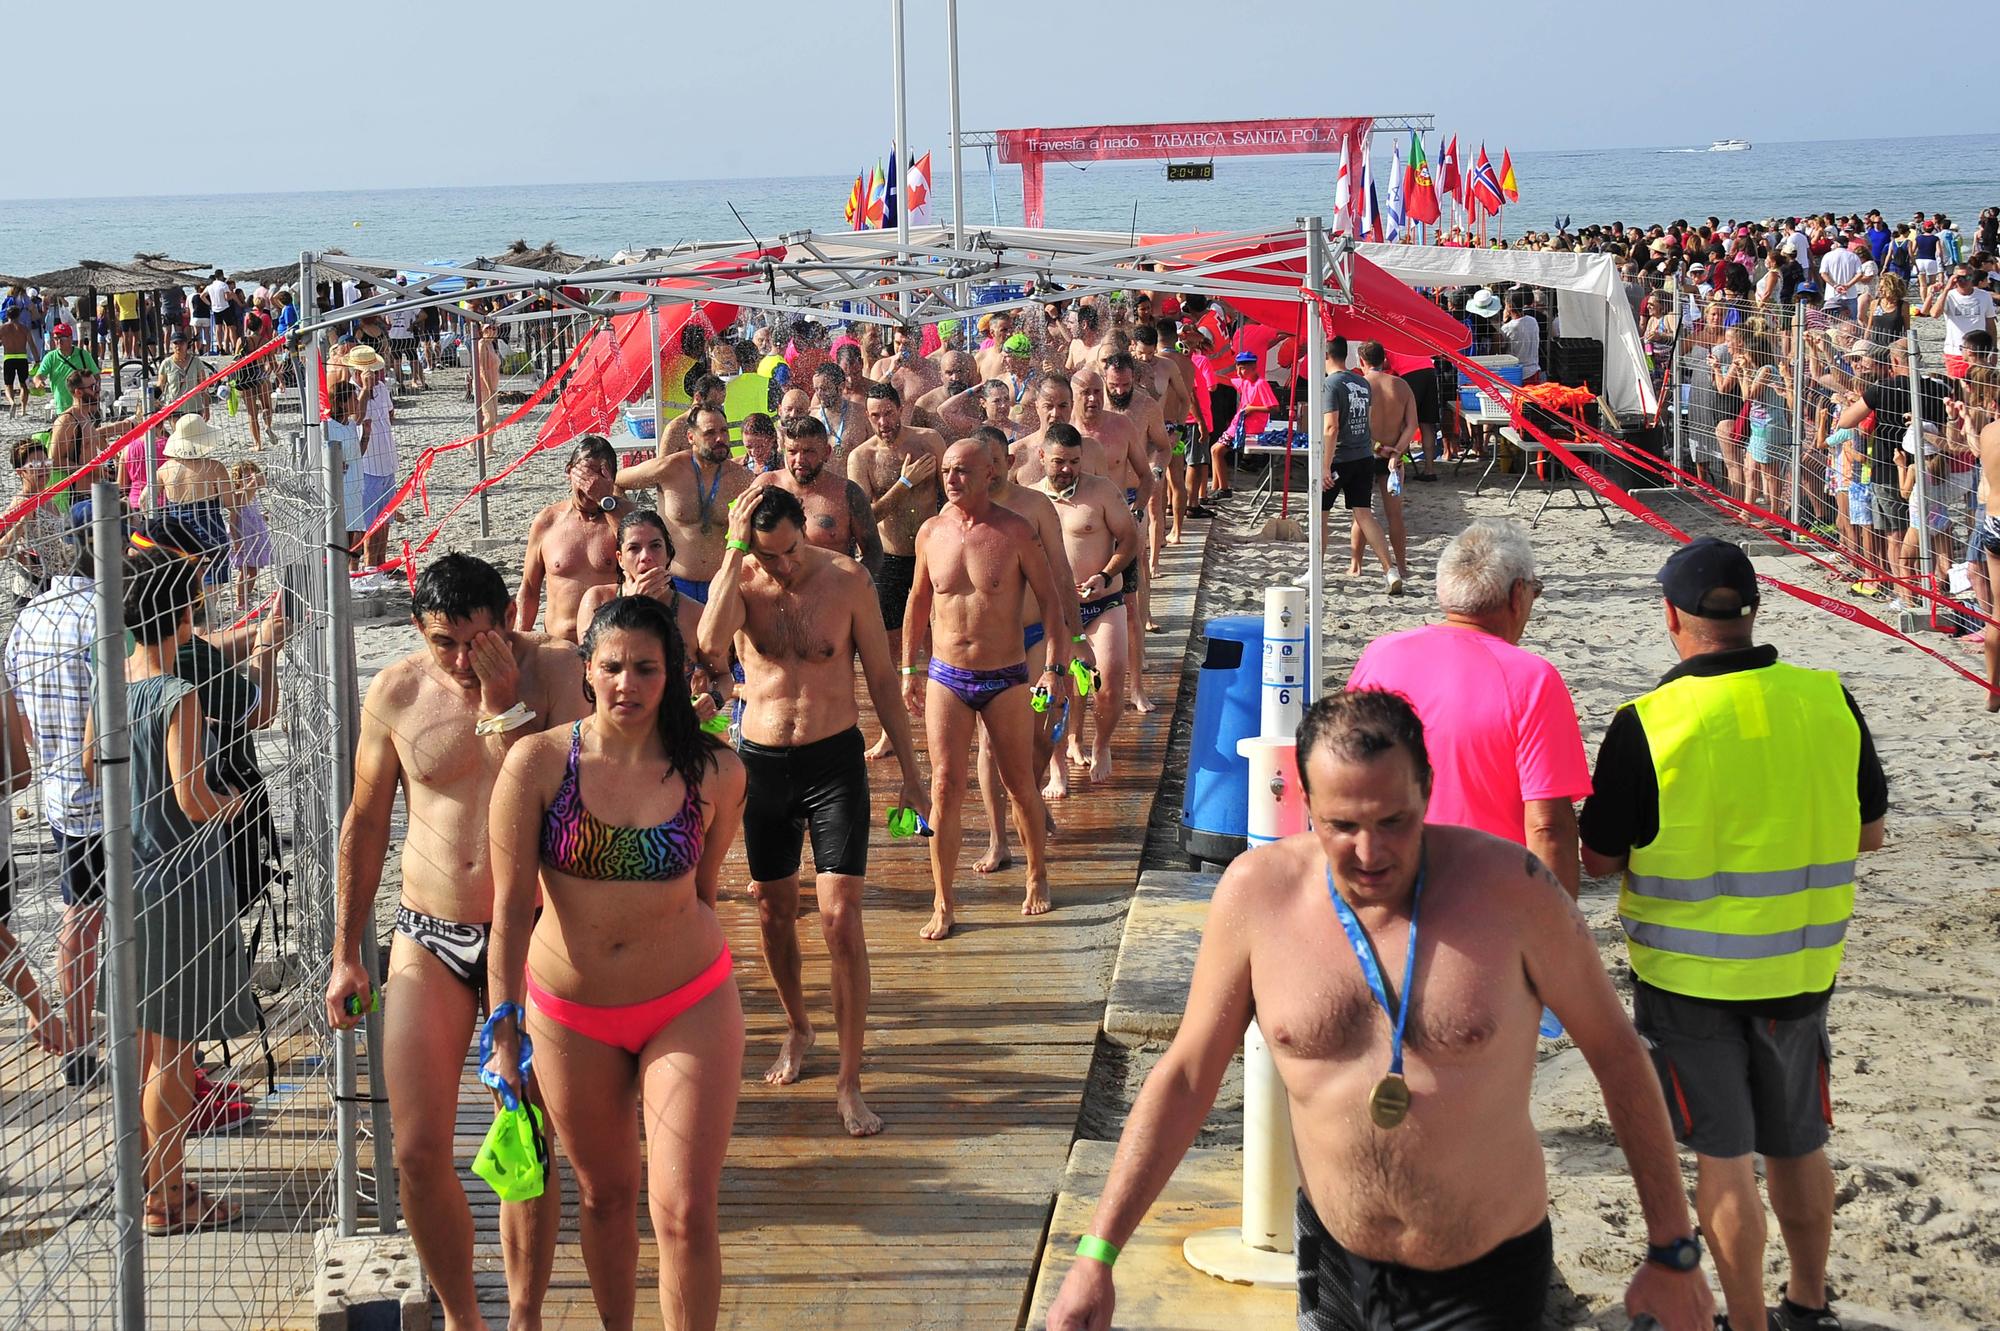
(1508, 185)
(855, 197)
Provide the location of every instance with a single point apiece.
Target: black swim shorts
(1353, 482)
(1423, 384)
(1507, 1289)
(892, 588)
(788, 790)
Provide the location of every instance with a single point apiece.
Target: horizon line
(941, 174)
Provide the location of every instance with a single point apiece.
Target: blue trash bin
(1228, 706)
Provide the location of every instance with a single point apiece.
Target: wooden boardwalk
(978, 1049)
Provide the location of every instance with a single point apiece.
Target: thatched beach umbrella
(105, 278)
(545, 258)
(168, 264)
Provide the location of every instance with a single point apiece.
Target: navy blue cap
(1709, 565)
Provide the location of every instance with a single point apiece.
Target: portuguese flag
(1420, 200)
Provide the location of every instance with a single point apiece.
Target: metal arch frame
(1396, 124)
(863, 276)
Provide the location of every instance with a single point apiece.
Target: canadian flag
(917, 191)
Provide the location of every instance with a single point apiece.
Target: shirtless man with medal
(1423, 1193)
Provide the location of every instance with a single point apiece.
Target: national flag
(1364, 197)
(1454, 187)
(1343, 194)
(856, 200)
(871, 215)
(1483, 186)
(1420, 200)
(1393, 218)
(918, 188)
(1374, 227)
(892, 199)
(1508, 185)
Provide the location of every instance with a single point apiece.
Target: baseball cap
(1709, 565)
(1246, 358)
(63, 330)
(1018, 344)
(1697, 269)
(178, 335)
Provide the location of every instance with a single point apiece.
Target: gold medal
(1389, 1102)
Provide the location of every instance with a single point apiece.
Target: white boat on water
(1730, 146)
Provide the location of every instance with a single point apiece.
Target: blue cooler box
(1228, 706)
(1506, 368)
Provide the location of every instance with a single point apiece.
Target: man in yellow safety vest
(1735, 798)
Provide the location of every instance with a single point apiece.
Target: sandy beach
(1916, 1095)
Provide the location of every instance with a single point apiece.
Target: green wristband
(734, 544)
(1098, 1250)
(1081, 637)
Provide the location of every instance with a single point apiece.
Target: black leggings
(821, 786)
(1507, 1289)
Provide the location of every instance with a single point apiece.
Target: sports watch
(1683, 1254)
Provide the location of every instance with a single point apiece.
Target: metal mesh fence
(188, 1040)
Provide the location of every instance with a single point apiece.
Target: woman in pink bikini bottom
(623, 820)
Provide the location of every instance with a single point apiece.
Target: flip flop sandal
(197, 1211)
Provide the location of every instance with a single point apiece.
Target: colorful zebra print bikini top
(577, 844)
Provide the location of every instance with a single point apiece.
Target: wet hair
(645, 517)
(760, 424)
(1122, 361)
(459, 586)
(805, 427)
(1063, 436)
(19, 450)
(694, 340)
(1194, 304)
(884, 393)
(1374, 355)
(696, 413)
(1360, 725)
(707, 384)
(1057, 381)
(690, 750)
(1146, 335)
(828, 370)
(776, 506)
(1086, 316)
(161, 586)
(999, 386)
(597, 448)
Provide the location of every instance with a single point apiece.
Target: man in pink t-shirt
(1498, 721)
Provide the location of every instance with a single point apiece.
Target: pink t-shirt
(1498, 722)
(134, 461)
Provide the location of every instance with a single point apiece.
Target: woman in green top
(194, 982)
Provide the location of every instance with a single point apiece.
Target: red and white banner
(1031, 148)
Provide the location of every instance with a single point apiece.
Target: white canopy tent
(1592, 303)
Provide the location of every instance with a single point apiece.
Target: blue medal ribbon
(1371, 969)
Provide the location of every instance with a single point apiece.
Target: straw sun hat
(365, 359)
(193, 438)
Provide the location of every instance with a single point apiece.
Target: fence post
(121, 976)
(1914, 441)
(1676, 405)
(1798, 400)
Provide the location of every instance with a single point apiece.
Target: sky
(510, 92)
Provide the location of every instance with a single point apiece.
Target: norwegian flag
(1484, 186)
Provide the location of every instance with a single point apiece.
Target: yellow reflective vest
(1747, 889)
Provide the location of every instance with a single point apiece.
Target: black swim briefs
(821, 786)
(1505, 1290)
(892, 588)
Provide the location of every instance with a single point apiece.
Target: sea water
(1957, 175)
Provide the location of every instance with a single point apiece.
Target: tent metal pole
(957, 138)
(1314, 369)
(900, 165)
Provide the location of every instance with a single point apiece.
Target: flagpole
(957, 147)
(902, 144)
